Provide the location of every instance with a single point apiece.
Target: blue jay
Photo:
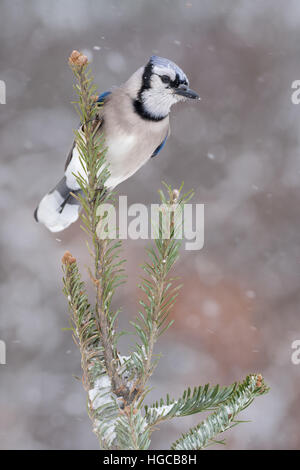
(135, 122)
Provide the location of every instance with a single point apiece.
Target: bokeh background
(238, 148)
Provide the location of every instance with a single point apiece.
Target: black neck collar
(139, 108)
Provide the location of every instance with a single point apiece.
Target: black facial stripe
(178, 81)
(146, 83)
(173, 83)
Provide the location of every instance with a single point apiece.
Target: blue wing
(160, 147)
(101, 98)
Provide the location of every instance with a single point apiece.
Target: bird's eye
(165, 79)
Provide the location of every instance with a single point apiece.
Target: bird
(135, 124)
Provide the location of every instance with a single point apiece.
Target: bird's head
(161, 83)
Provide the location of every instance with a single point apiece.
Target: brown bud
(82, 60)
(68, 259)
(78, 59)
(259, 379)
(75, 54)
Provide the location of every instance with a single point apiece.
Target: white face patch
(158, 100)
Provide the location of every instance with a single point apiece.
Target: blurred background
(238, 148)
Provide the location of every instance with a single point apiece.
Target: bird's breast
(130, 141)
(120, 144)
(126, 153)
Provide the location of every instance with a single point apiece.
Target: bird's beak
(187, 93)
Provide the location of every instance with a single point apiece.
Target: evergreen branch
(200, 399)
(158, 288)
(81, 318)
(94, 327)
(104, 409)
(223, 418)
(131, 430)
(102, 404)
(106, 276)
